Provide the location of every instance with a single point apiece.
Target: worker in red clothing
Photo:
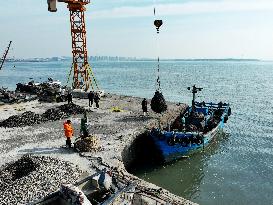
(69, 132)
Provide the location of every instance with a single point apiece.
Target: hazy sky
(192, 28)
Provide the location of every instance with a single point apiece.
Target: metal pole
(5, 55)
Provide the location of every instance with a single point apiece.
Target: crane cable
(157, 50)
(158, 103)
(157, 23)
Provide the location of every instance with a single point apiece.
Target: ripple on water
(236, 169)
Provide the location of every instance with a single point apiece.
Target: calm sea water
(238, 167)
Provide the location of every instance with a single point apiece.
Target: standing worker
(144, 107)
(69, 132)
(97, 99)
(62, 94)
(91, 98)
(69, 97)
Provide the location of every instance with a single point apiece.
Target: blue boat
(192, 130)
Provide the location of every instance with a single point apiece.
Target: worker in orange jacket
(69, 132)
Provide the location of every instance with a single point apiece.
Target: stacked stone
(32, 178)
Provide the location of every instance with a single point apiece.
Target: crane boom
(83, 75)
(5, 55)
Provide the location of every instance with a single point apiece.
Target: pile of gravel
(88, 144)
(71, 109)
(62, 111)
(32, 178)
(53, 114)
(26, 119)
(30, 118)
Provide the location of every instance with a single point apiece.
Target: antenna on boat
(194, 90)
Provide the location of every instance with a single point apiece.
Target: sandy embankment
(116, 131)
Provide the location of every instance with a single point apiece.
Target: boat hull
(172, 146)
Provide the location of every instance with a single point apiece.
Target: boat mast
(194, 91)
(5, 55)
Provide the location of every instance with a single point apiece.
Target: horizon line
(113, 58)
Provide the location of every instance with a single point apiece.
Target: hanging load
(158, 103)
(157, 24)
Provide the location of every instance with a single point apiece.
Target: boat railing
(226, 109)
(212, 105)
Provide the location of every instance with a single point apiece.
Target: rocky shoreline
(116, 132)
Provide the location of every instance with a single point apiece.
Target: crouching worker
(69, 132)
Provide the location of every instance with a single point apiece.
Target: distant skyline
(192, 29)
(121, 58)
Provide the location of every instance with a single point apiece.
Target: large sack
(158, 103)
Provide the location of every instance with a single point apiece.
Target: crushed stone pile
(30, 118)
(72, 109)
(16, 170)
(62, 111)
(26, 119)
(29, 88)
(31, 178)
(158, 103)
(87, 144)
(11, 97)
(53, 114)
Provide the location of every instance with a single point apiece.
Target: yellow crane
(83, 76)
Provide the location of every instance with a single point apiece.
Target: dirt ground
(47, 138)
(115, 130)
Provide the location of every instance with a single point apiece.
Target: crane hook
(157, 24)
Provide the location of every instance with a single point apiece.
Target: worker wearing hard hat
(69, 132)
